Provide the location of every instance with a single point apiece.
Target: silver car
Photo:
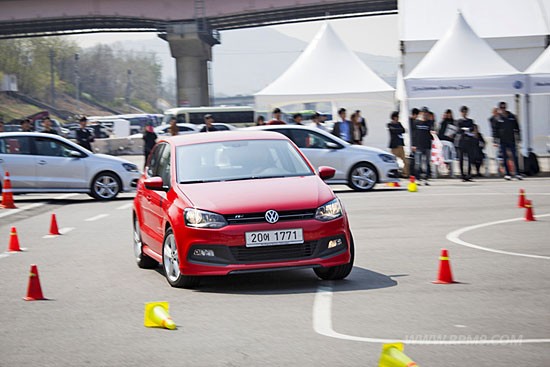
(358, 166)
(40, 162)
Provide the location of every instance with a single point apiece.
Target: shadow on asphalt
(291, 282)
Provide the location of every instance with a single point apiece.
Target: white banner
(539, 84)
(457, 87)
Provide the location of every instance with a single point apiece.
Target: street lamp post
(77, 81)
(52, 77)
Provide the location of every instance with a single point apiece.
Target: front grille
(260, 217)
(274, 253)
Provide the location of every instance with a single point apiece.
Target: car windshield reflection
(239, 160)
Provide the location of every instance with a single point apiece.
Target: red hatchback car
(236, 202)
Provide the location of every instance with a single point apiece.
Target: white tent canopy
(327, 71)
(462, 64)
(539, 74)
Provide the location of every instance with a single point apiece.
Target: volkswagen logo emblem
(271, 216)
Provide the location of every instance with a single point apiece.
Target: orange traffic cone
(14, 241)
(7, 193)
(445, 276)
(53, 226)
(521, 200)
(529, 217)
(34, 291)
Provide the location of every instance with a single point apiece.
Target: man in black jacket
(506, 130)
(466, 143)
(83, 135)
(422, 144)
(396, 140)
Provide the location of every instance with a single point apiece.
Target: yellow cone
(393, 356)
(156, 315)
(412, 187)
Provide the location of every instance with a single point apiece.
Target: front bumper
(232, 256)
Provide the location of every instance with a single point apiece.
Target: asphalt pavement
(497, 314)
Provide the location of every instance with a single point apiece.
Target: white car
(183, 128)
(358, 166)
(40, 162)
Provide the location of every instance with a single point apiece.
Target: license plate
(274, 238)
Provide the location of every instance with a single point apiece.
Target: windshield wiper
(197, 181)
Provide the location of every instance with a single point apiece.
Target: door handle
(42, 162)
(1, 161)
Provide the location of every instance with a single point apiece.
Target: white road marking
(97, 217)
(61, 230)
(455, 237)
(125, 206)
(22, 207)
(4, 255)
(322, 324)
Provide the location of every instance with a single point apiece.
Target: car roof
(220, 136)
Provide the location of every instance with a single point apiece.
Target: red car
(236, 202)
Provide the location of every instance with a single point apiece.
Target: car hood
(365, 149)
(252, 196)
(110, 158)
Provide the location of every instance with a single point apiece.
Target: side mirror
(326, 172)
(155, 184)
(332, 145)
(75, 154)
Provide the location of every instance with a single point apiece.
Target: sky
(377, 35)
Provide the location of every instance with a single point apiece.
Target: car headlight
(203, 219)
(329, 211)
(388, 158)
(130, 167)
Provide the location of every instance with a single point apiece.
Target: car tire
(362, 177)
(170, 264)
(142, 260)
(105, 186)
(340, 271)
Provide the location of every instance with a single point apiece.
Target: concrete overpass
(190, 26)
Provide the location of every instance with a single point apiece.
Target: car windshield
(239, 160)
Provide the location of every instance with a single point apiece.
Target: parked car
(247, 201)
(183, 128)
(220, 126)
(358, 166)
(50, 163)
(56, 125)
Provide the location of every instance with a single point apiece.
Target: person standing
(356, 129)
(397, 142)
(84, 137)
(422, 145)
(316, 121)
(149, 140)
(507, 128)
(208, 121)
(363, 124)
(47, 123)
(276, 120)
(173, 129)
(478, 156)
(447, 128)
(260, 121)
(297, 119)
(342, 128)
(26, 126)
(466, 143)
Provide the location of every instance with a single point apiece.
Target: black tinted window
(154, 159)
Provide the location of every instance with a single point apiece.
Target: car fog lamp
(203, 252)
(334, 243)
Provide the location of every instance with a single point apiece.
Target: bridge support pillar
(191, 46)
